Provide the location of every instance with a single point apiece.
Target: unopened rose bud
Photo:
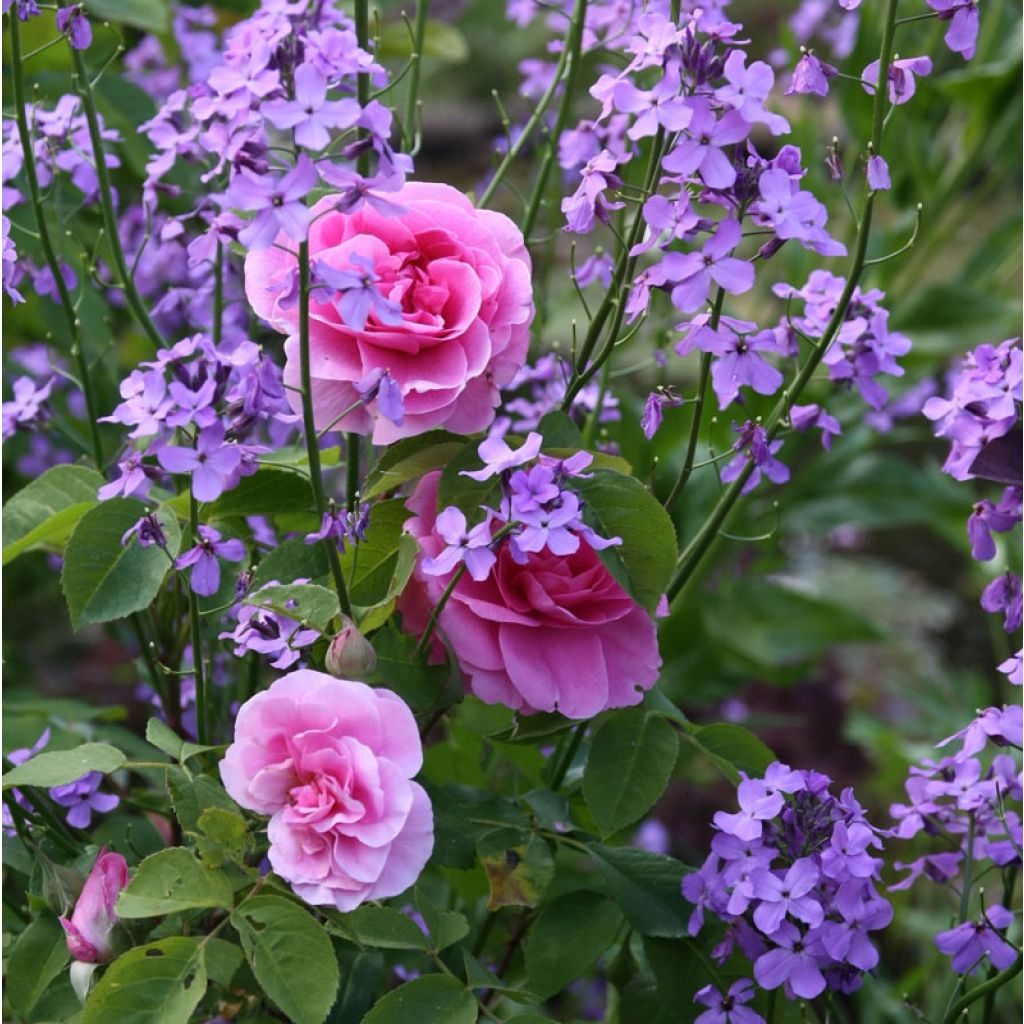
(89, 929)
(350, 656)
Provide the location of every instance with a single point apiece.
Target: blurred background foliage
(849, 637)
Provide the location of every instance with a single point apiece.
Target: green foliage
(145, 15)
(291, 956)
(628, 767)
(293, 560)
(646, 888)
(171, 881)
(164, 738)
(311, 605)
(38, 957)
(104, 580)
(380, 928)
(46, 510)
(158, 983)
(435, 999)
(191, 795)
(567, 938)
(377, 569)
(270, 492)
(519, 867)
(58, 767)
(410, 459)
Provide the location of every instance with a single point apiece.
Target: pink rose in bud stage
(350, 655)
(331, 761)
(459, 279)
(89, 928)
(557, 633)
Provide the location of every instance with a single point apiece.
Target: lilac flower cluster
(792, 873)
(211, 397)
(981, 418)
(538, 509)
(975, 807)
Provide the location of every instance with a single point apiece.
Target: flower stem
(698, 547)
(412, 96)
(435, 612)
(564, 763)
(217, 328)
(66, 303)
(83, 85)
(309, 428)
(193, 621)
(959, 1008)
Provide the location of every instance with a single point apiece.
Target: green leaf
(171, 881)
(293, 560)
(192, 794)
(47, 509)
(519, 867)
(629, 764)
(620, 506)
(567, 938)
(223, 959)
(410, 459)
(441, 40)
(291, 956)
(58, 767)
(462, 491)
(164, 738)
(559, 431)
(646, 887)
(145, 15)
(38, 956)
(269, 492)
(224, 837)
(435, 999)
(380, 928)
(309, 603)
(380, 566)
(362, 978)
(104, 580)
(159, 983)
(733, 748)
(423, 687)
(446, 927)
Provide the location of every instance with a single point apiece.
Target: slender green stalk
(412, 96)
(959, 1008)
(573, 46)
(35, 197)
(194, 630)
(83, 86)
(309, 428)
(217, 329)
(698, 409)
(705, 537)
(965, 892)
(558, 775)
(435, 612)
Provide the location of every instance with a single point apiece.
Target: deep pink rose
(555, 634)
(462, 279)
(331, 761)
(89, 928)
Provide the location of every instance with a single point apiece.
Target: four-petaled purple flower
(75, 25)
(472, 547)
(311, 114)
(974, 943)
(82, 797)
(728, 1008)
(203, 560)
(280, 202)
(359, 293)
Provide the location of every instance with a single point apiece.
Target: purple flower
(148, 531)
(738, 362)
(279, 200)
(1013, 668)
(532, 489)
(987, 518)
(215, 466)
(794, 213)
(846, 940)
(753, 446)
(360, 295)
(656, 402)
(729, 1008)
(694, 272)
(973, 942)
(660, 106)
(803, 417)
(471, 547)
(1003, 594)
(311, 114)
(75, 25)
(811, 75)
(498, 457)
(847, 853)
(792, 963)
(29, 408)
(788, 895)
(588, 202)
(553, 526)
(878, 174)
(962, 15)
(272, 634)
(701, 151)
(205, 576)
(81, 797)
(902, 83)
(747, 89)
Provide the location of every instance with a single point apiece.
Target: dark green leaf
(567, 938)
(192, 794)
(379, 567)
(223, 959)
(171, 881)
(308, 603)
(646, 886)
(738, 748)
(362, 975)
(58, 767)
(441, 40)
(620, 506)
(457, 812)
(164, 738)
(423, 687)
(410, 459)
(446, 927)
(293, 560)
(38, 956)
(223, 836)
(145, 15)
(103, 580)
(291, 956)
(159, 983)
(629, 764)
(269, 492)
(380, 928)
(435, 999)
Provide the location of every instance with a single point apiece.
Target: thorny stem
(698, 547)
(309, 428)
(28, 155)
(83, 86)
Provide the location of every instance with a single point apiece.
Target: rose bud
(350, 656)
(89, 928)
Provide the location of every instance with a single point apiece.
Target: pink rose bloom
(555, 634)
(89, 928)
(331, 761)
(461, 278)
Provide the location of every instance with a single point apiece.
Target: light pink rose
(331, 761)
(462, 279)
(556, 634)
(89, 928)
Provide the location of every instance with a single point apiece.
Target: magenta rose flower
(437, 294)
(331, 761)
(88, 930)
(557, 633)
